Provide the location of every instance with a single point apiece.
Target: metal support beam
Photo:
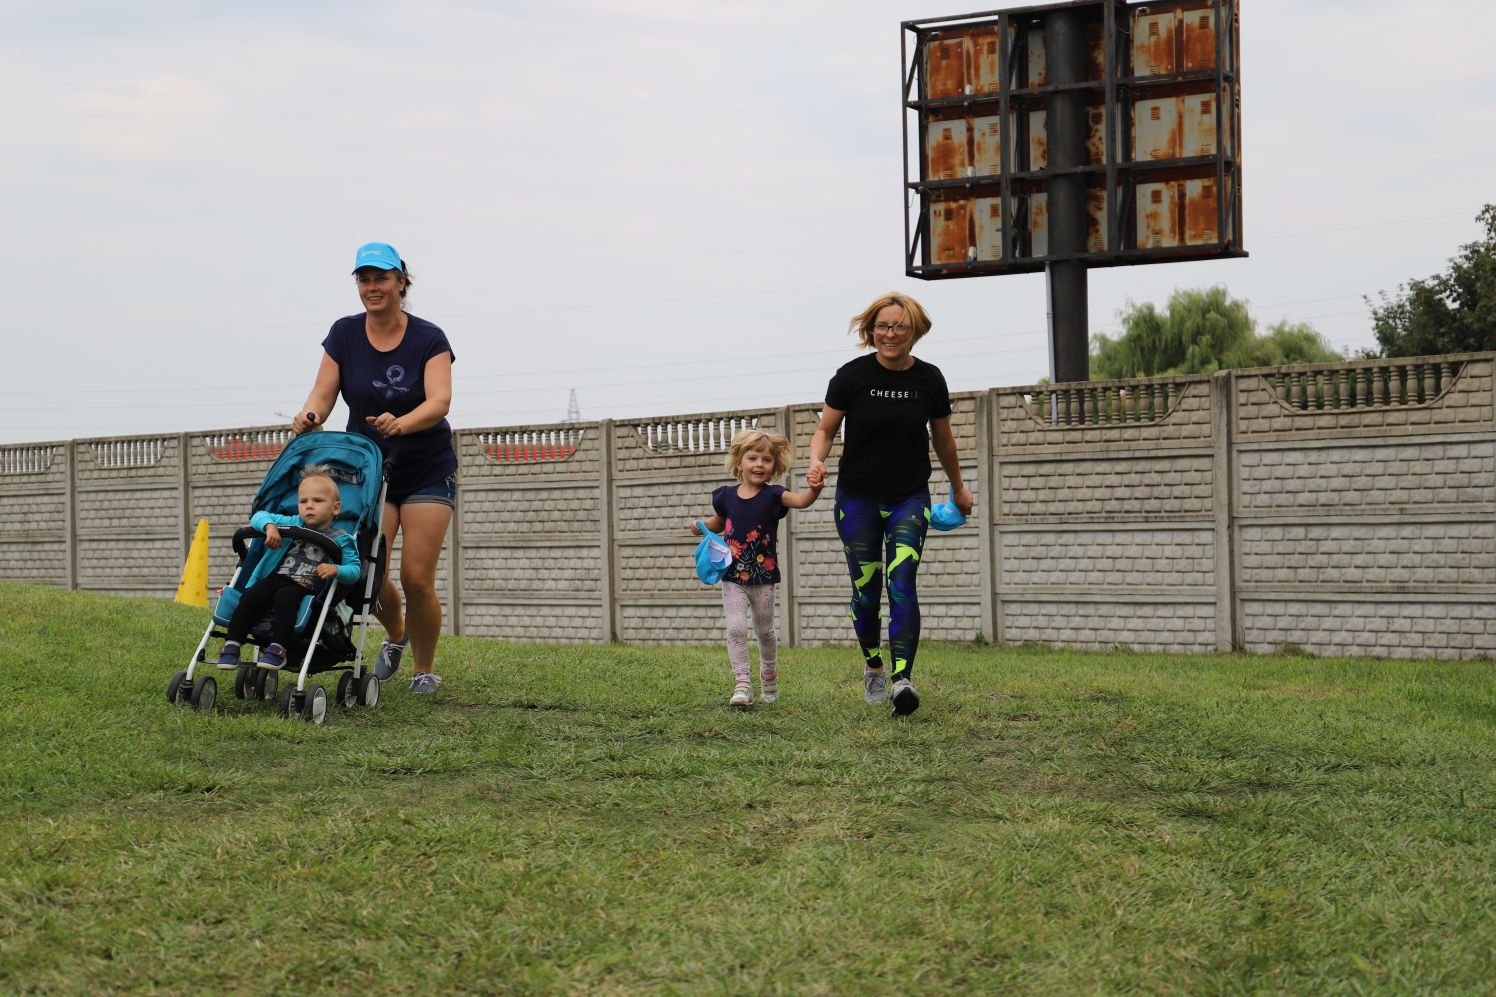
(1065, 57)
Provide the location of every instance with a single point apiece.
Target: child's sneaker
(875, 686)
(425, 682)
(905, 699)
(768, 688)
(388, 662)
(272, 658)
(228, 657)
(742, 696)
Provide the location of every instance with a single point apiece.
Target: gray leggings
(738, 602)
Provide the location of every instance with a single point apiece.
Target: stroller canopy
(355, 463)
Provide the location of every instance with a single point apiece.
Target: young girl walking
(748, 515)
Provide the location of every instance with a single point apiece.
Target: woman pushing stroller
(394, 370)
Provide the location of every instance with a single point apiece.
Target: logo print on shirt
(392, 387)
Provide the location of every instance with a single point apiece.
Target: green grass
(595, 820)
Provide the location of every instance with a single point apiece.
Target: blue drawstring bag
(945, 516)
(712, 556)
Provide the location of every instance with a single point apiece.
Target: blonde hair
(321, 471)
(757, 439)
(861, 325)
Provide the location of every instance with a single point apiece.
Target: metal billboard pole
(1065, 51)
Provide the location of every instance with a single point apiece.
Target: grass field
(595, 820)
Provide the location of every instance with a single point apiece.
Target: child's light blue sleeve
(351, 568)
(262, 519)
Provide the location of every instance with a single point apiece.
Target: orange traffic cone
(194, 588)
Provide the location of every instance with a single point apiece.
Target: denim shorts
(443, 491)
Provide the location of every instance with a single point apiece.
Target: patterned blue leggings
(873, 534)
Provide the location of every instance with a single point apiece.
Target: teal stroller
(330, 613)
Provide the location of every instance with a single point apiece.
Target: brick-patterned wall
(35, 516)
(1169, 514)
(1368, 529)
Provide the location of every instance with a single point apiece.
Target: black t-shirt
(751, 532)
(886, 450)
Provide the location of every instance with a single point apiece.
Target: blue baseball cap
(379, 255)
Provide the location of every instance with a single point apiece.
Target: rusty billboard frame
(1117, 177)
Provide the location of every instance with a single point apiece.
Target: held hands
(272, 536)
(385, 424)
(815, 475)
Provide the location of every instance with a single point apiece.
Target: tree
(1202, 331)
(1452, 312)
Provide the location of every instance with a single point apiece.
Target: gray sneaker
(905, 699)
(388, 662)
(425, 682)
(768, 689)
(875, 686)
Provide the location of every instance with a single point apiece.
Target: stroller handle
(322, 540)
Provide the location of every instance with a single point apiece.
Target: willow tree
(1201, 331)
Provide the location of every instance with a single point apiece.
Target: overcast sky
(669, 206)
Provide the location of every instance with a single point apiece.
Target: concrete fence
(1341, 509)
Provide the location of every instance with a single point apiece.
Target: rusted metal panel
(1158, 218)
(1038, 142)
(1039, 223)
(1197, 124)
(986, 145)
(1096, 220)
(1038, 71)
(950, 240)
(1200, 204)
(1199, 39)
(1096, 136)
(946, 150)
(985, 66)
(1155, 129)
(945, 67)
(1153, 41)
(1095, 52)
(987, 223)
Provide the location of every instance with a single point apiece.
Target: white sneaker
(768, 689)
(905, 699)
(742, 696)
(875, 686)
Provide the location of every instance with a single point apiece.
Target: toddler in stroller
(309, 564)
(285, 576)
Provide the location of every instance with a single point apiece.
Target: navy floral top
(752, 532)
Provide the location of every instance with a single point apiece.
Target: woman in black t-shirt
(882, 507)
(395, 372)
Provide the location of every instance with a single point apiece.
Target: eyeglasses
(888, 329)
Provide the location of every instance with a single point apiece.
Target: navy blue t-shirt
(752, 532)
(886, 450)
(394, 381)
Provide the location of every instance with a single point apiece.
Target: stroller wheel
(314, 705)
(244, 681)
(204, 694)
(347, 691)
(286, 695)
(265, 683)
(368, 690)
(174, 687)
